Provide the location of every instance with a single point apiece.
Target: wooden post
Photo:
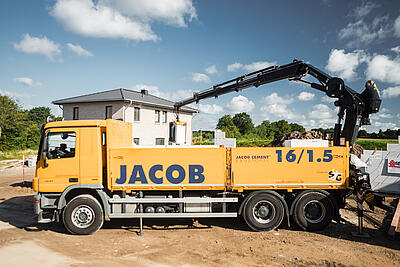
(394, 226)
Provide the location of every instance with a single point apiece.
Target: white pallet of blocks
(220, 140)
(384, 168)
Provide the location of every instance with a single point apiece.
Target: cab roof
(80, 123)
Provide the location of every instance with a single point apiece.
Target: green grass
(372, 144)
(17, 154)
(241, 143)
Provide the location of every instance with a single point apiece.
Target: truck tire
(83, 215)
(263, 212)
(313, 211)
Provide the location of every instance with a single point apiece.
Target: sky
(54, 49)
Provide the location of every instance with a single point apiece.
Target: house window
(159, 141)
(76, 113)
(164, 117)
(136, 141)
(157, 116)
(108, 112)
(136, 115)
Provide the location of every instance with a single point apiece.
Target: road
(208, 242)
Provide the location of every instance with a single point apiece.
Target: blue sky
(60, 48)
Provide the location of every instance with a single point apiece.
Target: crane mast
(354, 108)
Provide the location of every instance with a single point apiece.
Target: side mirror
(45, 149)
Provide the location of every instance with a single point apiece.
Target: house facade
(150, 115)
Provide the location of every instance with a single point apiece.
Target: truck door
(62, 161)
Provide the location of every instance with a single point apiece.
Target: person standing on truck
(370, 94)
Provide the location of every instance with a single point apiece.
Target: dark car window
(61, 145)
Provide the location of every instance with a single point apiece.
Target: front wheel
(313, 211)
(263, 212)
(83, 215)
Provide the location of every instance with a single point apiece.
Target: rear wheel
(263, 212)
(83, 215)
(313, 211)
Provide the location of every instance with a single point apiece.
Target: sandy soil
(211, 242)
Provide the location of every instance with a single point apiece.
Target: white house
(150, 115)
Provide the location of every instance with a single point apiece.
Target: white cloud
(13, 94)
(391, 92)
(321, 116)
(26, 81)
(172, 12)
(86, 18)
(274, 98)
(204, 122)
(210, 109)
(396, 49)
(277, 106)
(77, 49)
(384, 125)
(234, 67)
(397, 27)
(384, 69)
(281, 111)
(306, 96)
(364, 9)
(211, 70)
(200, 78)
(129, 19)
(328, 99)
(398, 116)
(361, 32)
(344, 64)
(240, 104)
(172, 96)
(258, 65)
(321, 111)
(382, 114)
(37, 45)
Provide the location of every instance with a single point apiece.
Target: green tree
(264, 130)
(243, 122)
(8, 106)
(362, 133)
(39, 114)
(225, 123)
(297, 127)
(280, 128)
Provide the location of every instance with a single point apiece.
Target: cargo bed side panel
(290, 168)
(167, 168)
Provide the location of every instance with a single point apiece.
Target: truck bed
(191, 168)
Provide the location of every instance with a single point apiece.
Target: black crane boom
(352, 104)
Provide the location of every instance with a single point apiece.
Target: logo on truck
(335, 175)
(174, 174)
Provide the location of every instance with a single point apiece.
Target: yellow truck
(89, 171)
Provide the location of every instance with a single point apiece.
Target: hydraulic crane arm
(356, 107)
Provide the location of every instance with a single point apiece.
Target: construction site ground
(207, 242)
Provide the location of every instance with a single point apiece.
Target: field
(372, 144)
(367, 144)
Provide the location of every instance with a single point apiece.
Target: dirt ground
(211, 242)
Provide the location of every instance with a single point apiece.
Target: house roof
(122, 95)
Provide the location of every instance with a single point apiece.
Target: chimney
(144, 92)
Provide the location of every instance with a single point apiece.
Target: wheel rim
(264, 211)
(82, 216)
(314, 211)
